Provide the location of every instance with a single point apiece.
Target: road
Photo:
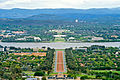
(60, 64)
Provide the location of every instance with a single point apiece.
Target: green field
(59, 40)
(29, 73)
(91, 76)
(106, 71)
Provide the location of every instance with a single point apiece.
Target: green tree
(39, 73)
(16, 72)
(44, 78)
(84, 77)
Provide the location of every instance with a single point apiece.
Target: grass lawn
(91, 76)
(60, 50)
(116, 72)
(29, 73)
(59, 40)
(106, 71)
(55, 73)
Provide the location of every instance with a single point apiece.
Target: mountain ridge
(24, 13)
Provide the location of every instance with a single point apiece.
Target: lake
(59, 45)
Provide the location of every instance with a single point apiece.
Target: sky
(78, 4)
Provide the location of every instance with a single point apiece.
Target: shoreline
(58, 42)
(59, 45)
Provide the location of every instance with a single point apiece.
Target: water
(59, 45)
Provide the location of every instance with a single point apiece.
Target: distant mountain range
(59, 14)
(23, 13)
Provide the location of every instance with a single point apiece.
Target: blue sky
(78, 4)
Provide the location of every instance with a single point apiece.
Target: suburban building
(9, 35)
(21, 54)
(97, 38)
(1, 35)
(18, 32)
(59, 31)
(32, 37)
(60, 77)
(30, 54)
(38, 54)
(114, 36)
(36, 49)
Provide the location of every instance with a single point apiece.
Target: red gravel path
(60, 65)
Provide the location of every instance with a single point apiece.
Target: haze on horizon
(77, 4)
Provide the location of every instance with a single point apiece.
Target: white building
(29, 37)
(20, 39)
(37, 39)
(59, 35)
(71, 38)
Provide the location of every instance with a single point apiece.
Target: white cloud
(32, 4)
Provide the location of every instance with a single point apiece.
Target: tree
(84, 77)
(39, 73)
(1, 74)
(16, 72)
(98, 76)
(69, 75)
(44, 78)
